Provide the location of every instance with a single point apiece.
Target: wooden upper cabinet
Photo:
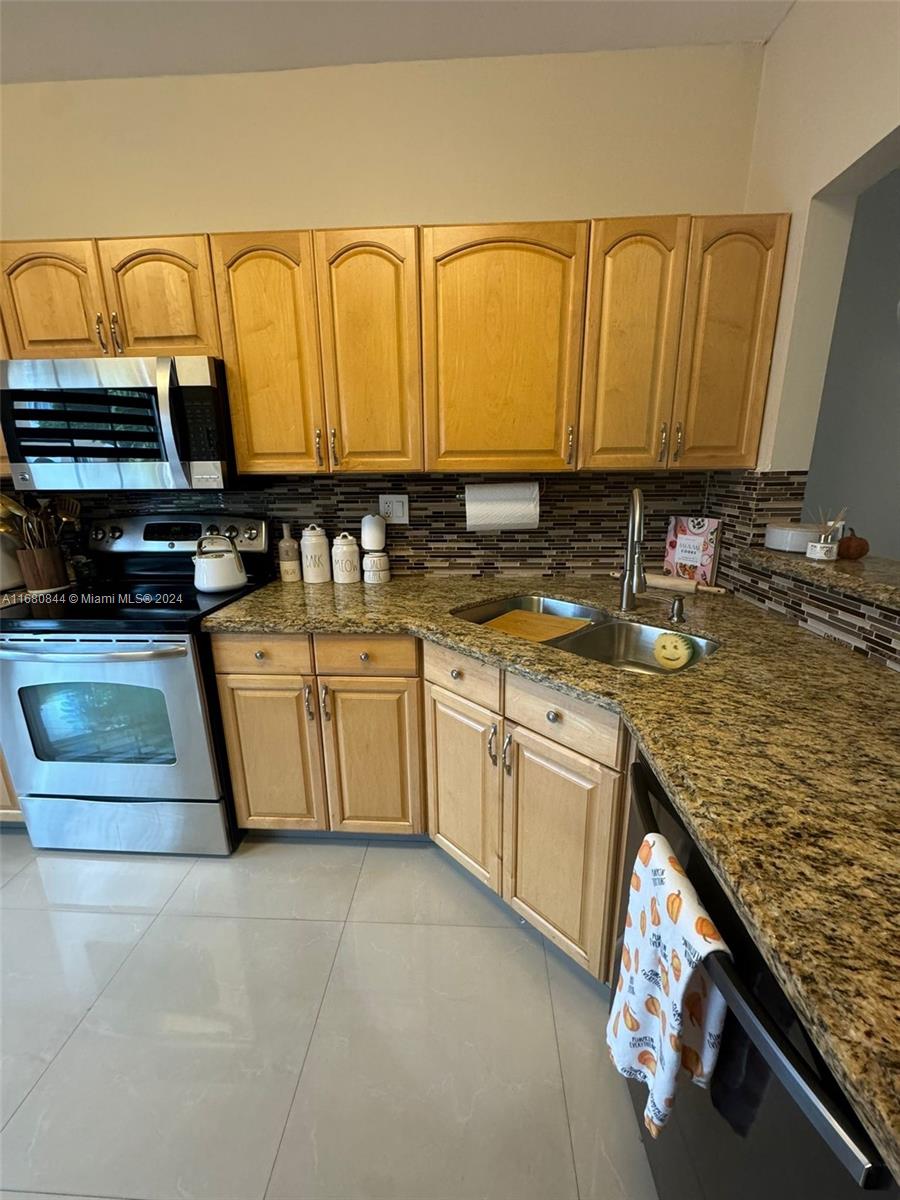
(265, 285)
(730, 309)
(52, 301)
(503, 309)
(160, 296)
(368, 291)
(635, 293)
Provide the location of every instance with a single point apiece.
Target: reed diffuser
(824, 549)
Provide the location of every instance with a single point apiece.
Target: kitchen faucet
(633, 580)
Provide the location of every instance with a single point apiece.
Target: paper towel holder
(542, 484)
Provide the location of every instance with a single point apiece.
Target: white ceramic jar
(376, 568)
(314, 555)
(373, 532)
(345, 559)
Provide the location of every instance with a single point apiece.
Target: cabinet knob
(456, 673)
(552, 716)
(364, 657)
(260, 655)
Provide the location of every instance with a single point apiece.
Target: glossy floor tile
(308, 880)
(135, 883)
(433, 1073)
(609, 1158)
(420, 884)
(54, 965)
(179, 1081)
(15, 853)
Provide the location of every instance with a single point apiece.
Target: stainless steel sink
(630, 647)
(479, 613)
(607, 639)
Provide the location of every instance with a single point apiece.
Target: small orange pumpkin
(626, 957)
(675, 1043)
(690, 1060)
(637, 959)
(648, 1060)
(636, 881)
(652, 1005)
(851, 546)
(675, 963)
(628, 920)
(652, 1126)
(616, 1024)
(673, 906)
(631, 1021)
(645, 851)
(662, 1022)
(675, 865)
(664, 978)
(654, 912)
(643, 922)
(707, 930)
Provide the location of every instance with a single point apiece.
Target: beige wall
(830, 91)
(465, 140)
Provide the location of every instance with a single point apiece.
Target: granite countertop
(873, 579)
(781, 753)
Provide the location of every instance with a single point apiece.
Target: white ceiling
(96, 39)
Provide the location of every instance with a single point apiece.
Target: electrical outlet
(394, 509)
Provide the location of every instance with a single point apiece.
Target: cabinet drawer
(465, 676)
(586, 728)
(261, 654)
(365, 654)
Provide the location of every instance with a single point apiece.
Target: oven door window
(98, 723)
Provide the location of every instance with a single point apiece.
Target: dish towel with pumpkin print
(667, 1016)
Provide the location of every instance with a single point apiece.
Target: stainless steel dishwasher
(774, 1124)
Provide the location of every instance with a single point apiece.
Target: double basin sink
(646, 649)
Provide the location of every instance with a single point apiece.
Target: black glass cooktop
(166, 605)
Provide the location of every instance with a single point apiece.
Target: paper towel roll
(502, 506)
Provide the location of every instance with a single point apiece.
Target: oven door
(101, 716)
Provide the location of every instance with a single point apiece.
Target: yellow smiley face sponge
(672, 651)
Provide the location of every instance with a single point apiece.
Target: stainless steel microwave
(99, 424)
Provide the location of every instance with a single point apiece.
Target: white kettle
(219, 569)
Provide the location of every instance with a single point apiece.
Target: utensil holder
(43, 570)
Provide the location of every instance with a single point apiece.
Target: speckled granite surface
(782, 754)
(874, 579)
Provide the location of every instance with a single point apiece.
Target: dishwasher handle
(13, 653)
(840, 1130)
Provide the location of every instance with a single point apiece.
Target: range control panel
(177, 534)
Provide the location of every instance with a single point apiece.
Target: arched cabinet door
(265, 286)
(730, 309)
(160, 296)
(635, 293)
(369, 325)
(502, 321)
(52, 300)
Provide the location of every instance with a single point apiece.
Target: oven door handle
(13, 653)
(165, 369)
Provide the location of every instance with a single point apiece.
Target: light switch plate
(394, 509)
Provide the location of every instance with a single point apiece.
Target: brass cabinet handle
(320, 462)
(335, 457)
(260, 655)
(364, 657)
(98, 325)
(307, 700)
(570, 448)
(679, 438)
(663, 442)
(114, 330)
(456, 673)
(324, 698)
(492, 745)
(507, 761)
(553, 716)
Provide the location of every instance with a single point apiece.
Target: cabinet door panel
(369, 322)
(267, 305)
(51, 298)
(558, 810)
(160, 294)
(372, 738)
(635, 294)
(731, 306)
(273, 750)
(462, 749)
(502, 321)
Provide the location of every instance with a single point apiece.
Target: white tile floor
(303, 1021)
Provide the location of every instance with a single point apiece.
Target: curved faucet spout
(633, 579)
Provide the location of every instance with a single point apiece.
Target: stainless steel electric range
(108, 716)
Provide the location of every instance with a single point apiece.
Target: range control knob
(251, 533)
(98, 533)
(114, 533)
(212, 529)
(231, 531)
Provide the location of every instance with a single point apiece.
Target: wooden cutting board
(535, 626)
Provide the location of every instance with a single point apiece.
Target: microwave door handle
(10, 652)
(165, 368)
(846, 1140)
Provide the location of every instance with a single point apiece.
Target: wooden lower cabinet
(273, 750)
(558, 845)
(372, 742)
(464, 781)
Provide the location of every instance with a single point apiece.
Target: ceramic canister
(314, 555)
(376, 568)
(345, 559)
